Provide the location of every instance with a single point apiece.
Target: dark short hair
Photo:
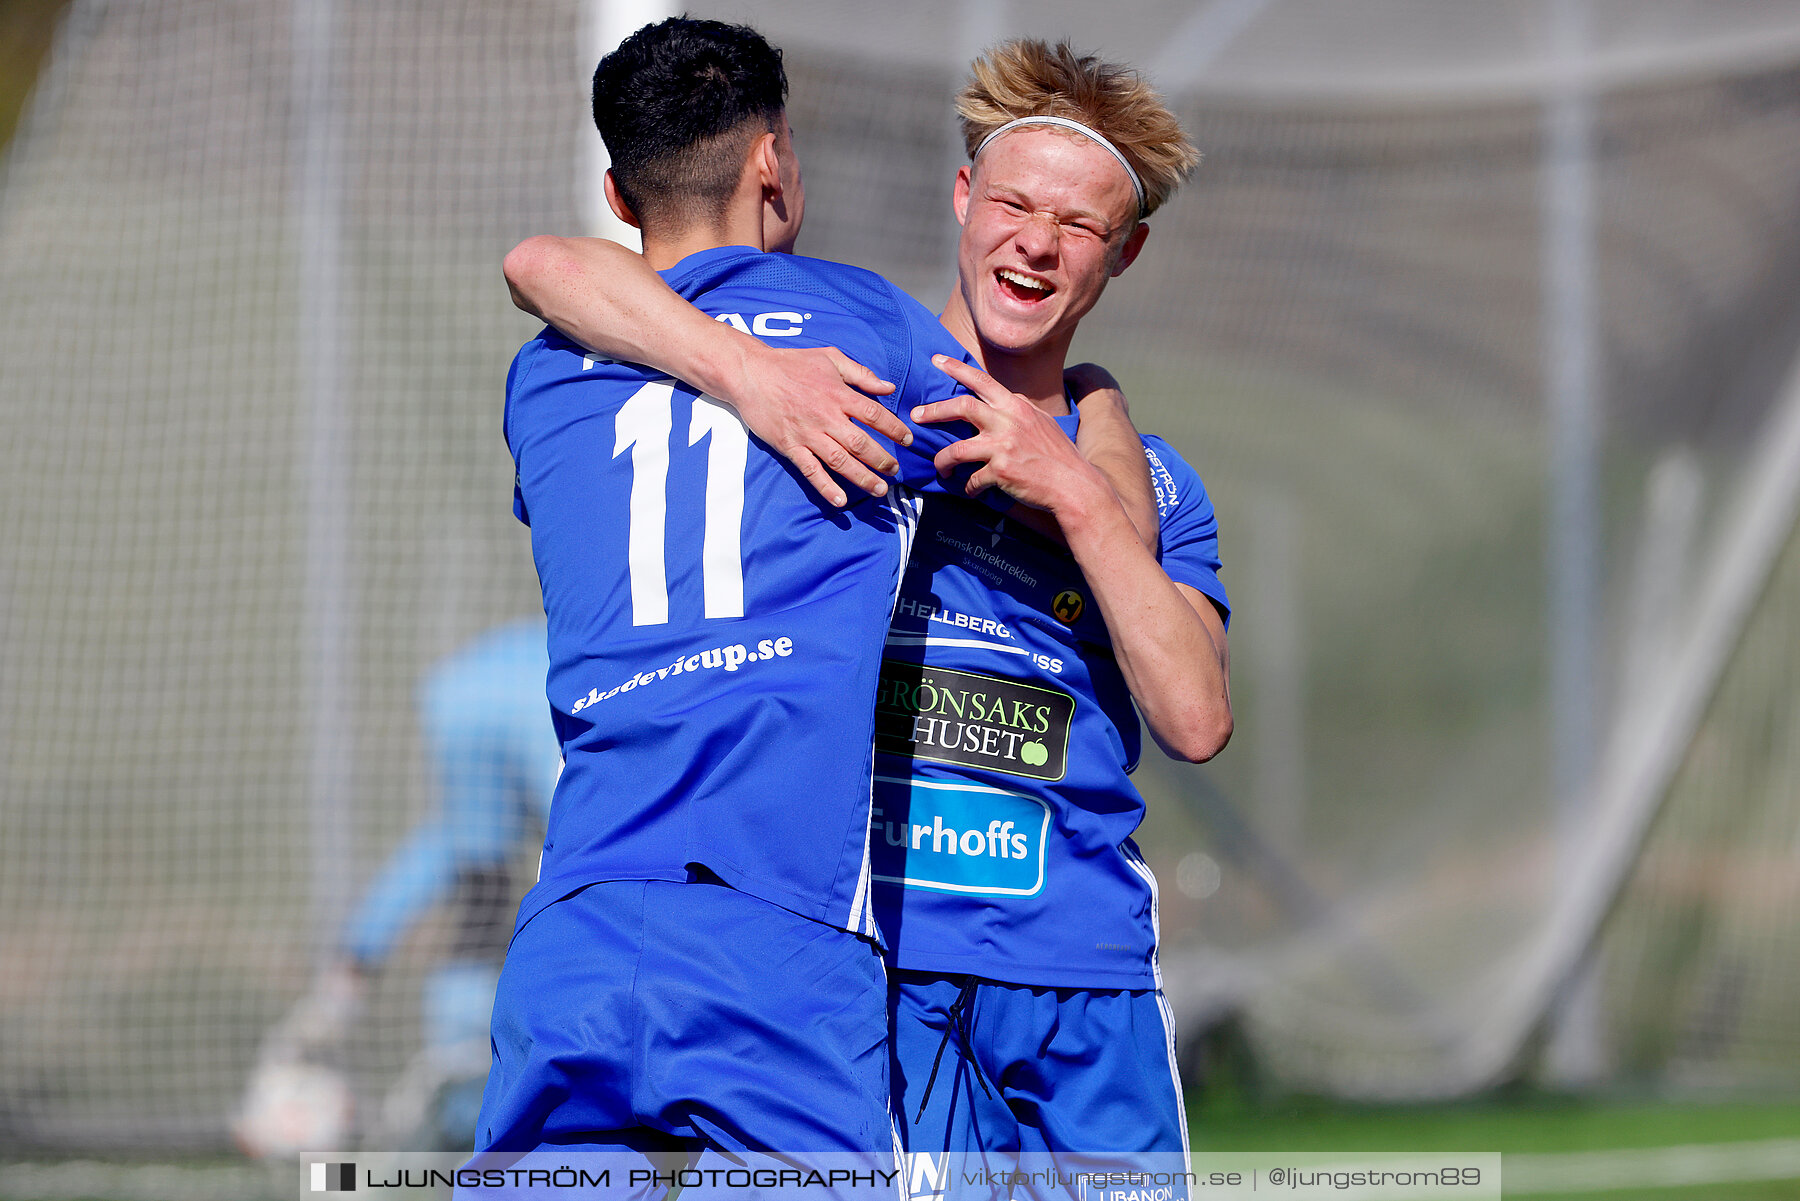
(678, 104)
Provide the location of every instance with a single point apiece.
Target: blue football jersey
(1005, 734)
(715, 630)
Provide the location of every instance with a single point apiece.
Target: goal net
(1476, 356)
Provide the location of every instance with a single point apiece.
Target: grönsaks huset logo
(972, 720)
(333, 1177)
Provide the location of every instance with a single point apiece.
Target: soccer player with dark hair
(698, 963)
(1021, 917)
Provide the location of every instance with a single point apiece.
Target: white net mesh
(1697, 959)
(1339, 322)
(158, 881)
(1366, 361)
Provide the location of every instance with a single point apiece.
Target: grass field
(26, 28)
(1527, 1131)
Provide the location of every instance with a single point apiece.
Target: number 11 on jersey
(643, 427)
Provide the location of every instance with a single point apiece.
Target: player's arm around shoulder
(1025, 453)
(1168, 638)
(1016, 447)
(1107, 438)
(805, 402)
(1189, 549)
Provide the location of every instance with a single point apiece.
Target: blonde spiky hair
(1030, 78)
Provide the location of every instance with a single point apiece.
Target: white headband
(1137, 185)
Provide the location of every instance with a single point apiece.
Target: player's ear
(616, 202)
(766, 162)
(959, 195)
(1134, 245)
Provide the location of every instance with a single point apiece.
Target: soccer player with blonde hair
(1019, 916)
(1041, 124)
(1030, 78)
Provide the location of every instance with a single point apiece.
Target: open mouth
(1023, 287)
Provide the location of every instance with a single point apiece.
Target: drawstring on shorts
(961, 1020)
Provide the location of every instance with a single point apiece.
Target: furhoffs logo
(973, 720)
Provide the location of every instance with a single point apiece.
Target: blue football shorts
(650, 1015)
(1028, 1070)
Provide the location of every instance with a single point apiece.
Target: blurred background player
(494, 762)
